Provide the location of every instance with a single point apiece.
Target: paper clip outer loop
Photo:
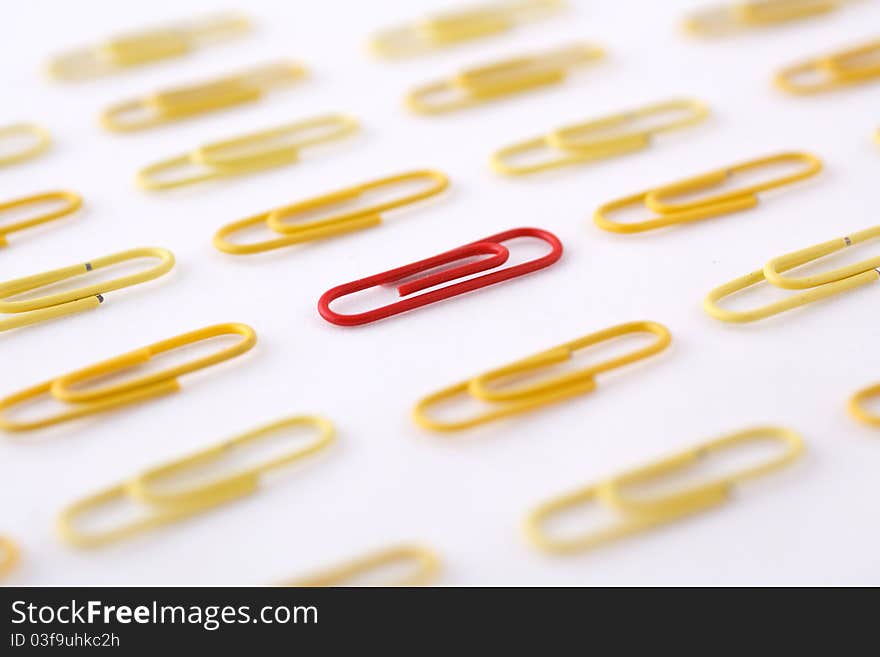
(73, 202)
(717, 21)
(857, 405)
(831, 72)
(42, 141)
(9, 555)
(425, 561)
(65, 388)
(246, 154)
(708, 207)
(490, 246)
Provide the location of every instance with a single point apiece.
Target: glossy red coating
(492, 247)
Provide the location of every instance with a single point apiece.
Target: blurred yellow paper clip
(257, 151)
(422, 565)
(637, 513)
(59, 304)
(70, 389)
(454, 27)
(724, 19)
(858, 409)
(184, 102)
(493, 81)
(9, 555)
(72, 203)
(278, 220)
(35, 142)
(609, 136)
(506, 402)
(148, 46)
(165, 504)
(829, 72)
(817, 286)
(706, 207)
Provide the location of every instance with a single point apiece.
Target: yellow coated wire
(458, 26)
(609, 136)
(250, 153)
(147, 46)
(506, 400)
(637, 514)
(818, 286)
(72, 203)
(720, 20)
(39, 139)
(856, 65)
(83, 402)
(705, 207)
(279, 219)
(9, 556)
(184, 102)
(858, 409)
(60, 304)
(493, 81)
(165, 507)
(424, 566)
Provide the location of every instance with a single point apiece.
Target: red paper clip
(492, 247)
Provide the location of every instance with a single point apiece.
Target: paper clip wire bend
(338, 224)
(41, 140)
(817, 286)
(831, 72)
(511, 401)
(51, 306)
(171, 507)
(73, 202)
(724, 19)
(9, 555)
(251, 153)
(736, 200)
(492, 247)
(640, 514)
(858, 409)
(426, 566)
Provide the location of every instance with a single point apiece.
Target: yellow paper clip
(258, 151)
(637, 514)
(493, 81)
(59, 304)
(9, 555)
(424, 565)
(69, 387)
(817, 286)
(37, 141)
(454, 27)
(147, 46)
(707, 207)
(609, 136)
(72, 201)
(724, 19)
(830, 72)
(184, 102)
(164, 506)
(338, 224)
(857, 405)
(515, 400)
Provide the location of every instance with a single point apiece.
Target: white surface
(386, 480)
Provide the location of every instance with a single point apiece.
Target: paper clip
(39, 139)
(492, 252)
(493, 81)
(598, 139)
(424, 565)
(857, 405)
(73, 202)
(184, 102)
(707, 207)
(817, 286)
(9, 555)
(248, 153)
(165, 507)
(830, 72)
(454, 27)
(147, 46)
(637, 514)
(51, 306)
(68, 388)
(514, 400)
(724, 19)
(338, 224)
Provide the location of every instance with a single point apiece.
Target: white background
(386, 480)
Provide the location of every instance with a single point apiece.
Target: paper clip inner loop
(72, 203)
(834, 71)
(38, 138)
